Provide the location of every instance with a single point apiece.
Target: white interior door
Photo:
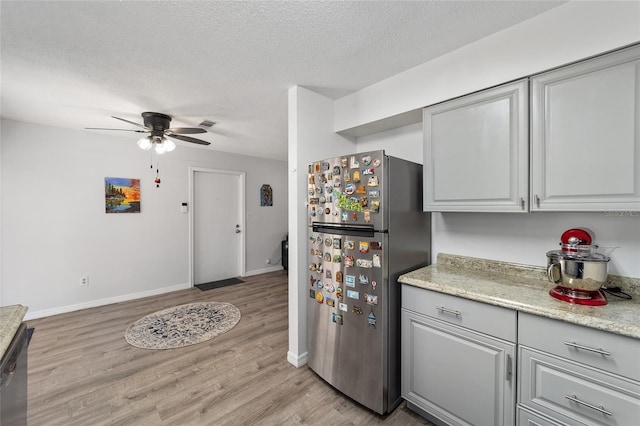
(217, 225)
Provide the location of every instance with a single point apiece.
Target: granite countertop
(526, 289)
(10, 320)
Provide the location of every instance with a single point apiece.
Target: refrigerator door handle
(355, 230)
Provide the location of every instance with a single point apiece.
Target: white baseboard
(263, 270)
(102, 302)
(297, 360)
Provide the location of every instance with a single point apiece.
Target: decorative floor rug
(182, 325)
(220, 283)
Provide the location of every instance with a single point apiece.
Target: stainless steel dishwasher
(13, 381)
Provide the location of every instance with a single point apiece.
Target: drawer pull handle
(586, 404)
(587, 348)
(448, 311)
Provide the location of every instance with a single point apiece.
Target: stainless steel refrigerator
(366, 227)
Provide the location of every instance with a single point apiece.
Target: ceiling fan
(157, 125)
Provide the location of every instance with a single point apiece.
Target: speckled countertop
(10, 320)
(526, 289)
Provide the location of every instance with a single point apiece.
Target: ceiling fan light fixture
(145, 143)
(168, 145)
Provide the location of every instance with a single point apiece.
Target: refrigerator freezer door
(347, 315)
(348, 190)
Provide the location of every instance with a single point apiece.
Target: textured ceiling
(73, 64)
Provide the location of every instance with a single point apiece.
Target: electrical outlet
(84, 281)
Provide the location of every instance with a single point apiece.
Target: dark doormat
(218, 284)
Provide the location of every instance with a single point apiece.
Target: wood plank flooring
(83, 372)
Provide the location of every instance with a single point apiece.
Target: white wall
(311, 138)
(55, 229)
(513, 237)
(567, 33)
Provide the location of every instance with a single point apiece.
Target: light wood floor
(83, 372)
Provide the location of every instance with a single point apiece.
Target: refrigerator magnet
(349, 245)
(371, 320)
(352, 294)
(339, 293)
(348, 261)
(364, 263)
(337, 243)
(343, 307)
(325, 166)
(312, 280)
(350, 189)
(351, 280)
(371, 299)
(373, 285)
(363, 247)
(367, 216)
(336, 170)
(312, 293)
(319, 284)
(356, 310)
(343, 162)
(361, 190)
(338, 277)
(330, 302)
(363, 279)
(356, 176)
(354, 162)
(375, 245)
(337, 258)
(329, 287)
(366, 160)
(376, 261)
(327, 257)
(368, 172)
(319, 297)
(377, 162)
(327, 274)
(373, 181)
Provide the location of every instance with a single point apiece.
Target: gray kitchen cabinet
(453, 370)
(476, 152)
(574, 375)
(585, 135)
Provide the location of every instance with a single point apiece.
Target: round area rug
(182, 325)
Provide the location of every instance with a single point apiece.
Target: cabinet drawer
(528, 418)
(607, 351)
(484, 318)
(574, 393)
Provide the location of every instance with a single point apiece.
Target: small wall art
(266, 195)
(121, 195)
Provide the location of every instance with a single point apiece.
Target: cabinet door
(456, 375)
(476, 152)
(585, 135)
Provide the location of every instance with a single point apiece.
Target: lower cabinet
(573, 375)
(454, 374)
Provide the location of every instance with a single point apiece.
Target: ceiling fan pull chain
(157, 179)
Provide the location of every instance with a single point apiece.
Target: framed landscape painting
(121, 195)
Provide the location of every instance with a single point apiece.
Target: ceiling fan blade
(122, 130)
(188, 139)
(131, 122)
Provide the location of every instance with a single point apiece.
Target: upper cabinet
(585, 135)
(583, 153)
(476, 152)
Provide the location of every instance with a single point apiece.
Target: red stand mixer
(577, 269)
